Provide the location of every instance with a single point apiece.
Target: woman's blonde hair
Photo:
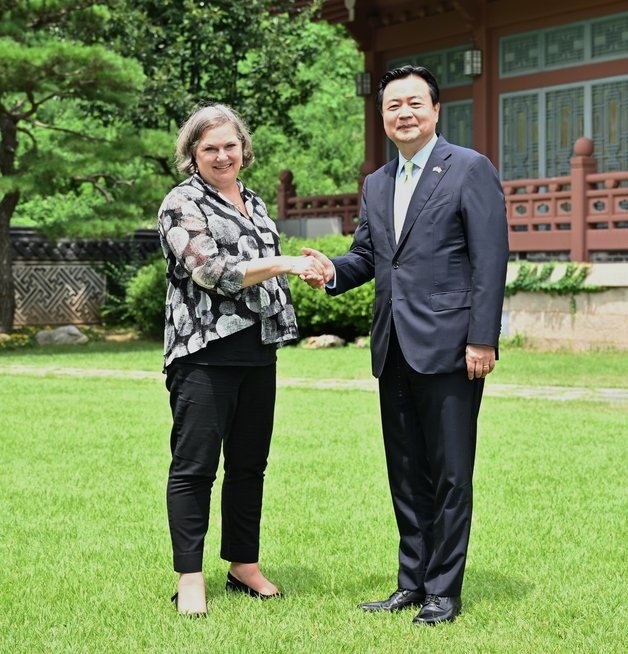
(209, 117)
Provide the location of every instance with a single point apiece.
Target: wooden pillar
(483, 117)
(582, 164)
(285, 191)
(374, 137)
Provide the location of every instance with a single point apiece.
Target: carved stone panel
(49, 293)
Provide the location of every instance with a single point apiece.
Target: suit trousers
(214, 406)
(429, 425)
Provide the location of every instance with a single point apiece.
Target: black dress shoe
(400, 599)
(438, 609)
(237, 586)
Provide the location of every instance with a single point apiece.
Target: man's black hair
(406, 71)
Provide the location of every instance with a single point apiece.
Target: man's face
(409, 116)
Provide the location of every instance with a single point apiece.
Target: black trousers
(214, 406)
(430, 426)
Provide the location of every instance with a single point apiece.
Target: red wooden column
(374, 136)
(582, 164)
(474, 13)
(285, 191)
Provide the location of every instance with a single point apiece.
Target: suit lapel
(388, 200)
(435, 171)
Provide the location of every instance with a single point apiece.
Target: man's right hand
(329, 271)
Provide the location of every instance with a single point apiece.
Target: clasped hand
(307, 268)
(313, 267)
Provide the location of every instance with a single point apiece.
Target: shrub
(26, 336)
(19, 338)
(347, 315)
(115, 312)
(145, 297)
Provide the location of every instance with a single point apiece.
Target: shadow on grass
(304, 582)
(487, 584)
(480, 584)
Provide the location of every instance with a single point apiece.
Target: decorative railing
(575, 217)
(580, 217)
(345, 206)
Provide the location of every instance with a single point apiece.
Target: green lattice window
(539, 127)
(447, 66)
(572, 44)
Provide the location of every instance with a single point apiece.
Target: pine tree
(62, 91)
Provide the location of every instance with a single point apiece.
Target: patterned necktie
(407, 172)
(403, 194)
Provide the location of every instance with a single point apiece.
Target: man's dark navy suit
(440, 287)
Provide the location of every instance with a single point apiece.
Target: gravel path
(491, 390)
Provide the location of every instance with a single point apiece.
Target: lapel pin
(437, 169)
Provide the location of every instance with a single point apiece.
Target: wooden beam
(471, 10)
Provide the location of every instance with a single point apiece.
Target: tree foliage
(50, 78)
(241, 53)
(92, 93)
(325, 148)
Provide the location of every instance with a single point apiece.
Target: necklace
(241, 207)
(235, 198)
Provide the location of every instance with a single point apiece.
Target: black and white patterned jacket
(207, 242)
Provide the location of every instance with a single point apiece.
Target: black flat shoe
(400, 599)
(438, 609)
(175, 600)
(236, 586)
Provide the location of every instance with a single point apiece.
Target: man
(433, 233)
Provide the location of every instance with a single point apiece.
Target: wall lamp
(363, 84)
(472, 62)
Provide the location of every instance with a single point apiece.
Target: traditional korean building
(520, 82)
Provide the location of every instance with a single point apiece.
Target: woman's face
(219, 156)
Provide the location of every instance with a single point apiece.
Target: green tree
(62, 94)
(92, 92)
(325, 147)
(241, 52)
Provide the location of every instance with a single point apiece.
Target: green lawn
(605, 368)
(85, 549)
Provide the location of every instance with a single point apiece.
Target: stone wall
(600, 320)
(64, 282)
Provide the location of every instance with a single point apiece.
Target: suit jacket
(443, 282)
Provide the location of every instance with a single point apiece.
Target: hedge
(348, 315)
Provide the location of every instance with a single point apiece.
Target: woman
(228, 308)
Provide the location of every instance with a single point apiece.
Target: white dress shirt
(404, 191)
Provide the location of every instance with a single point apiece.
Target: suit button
(395, 265)
(389, 300)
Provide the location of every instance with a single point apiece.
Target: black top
(242, 348)
(208, 243)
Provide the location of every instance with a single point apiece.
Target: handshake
(313, 267)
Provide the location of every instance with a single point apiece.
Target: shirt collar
(420, 158)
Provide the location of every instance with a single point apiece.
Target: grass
(605, 368)
(132, 355)
(85, 550)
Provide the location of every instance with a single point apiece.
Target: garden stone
(325, 340)
(67, 335)
(362, 341)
